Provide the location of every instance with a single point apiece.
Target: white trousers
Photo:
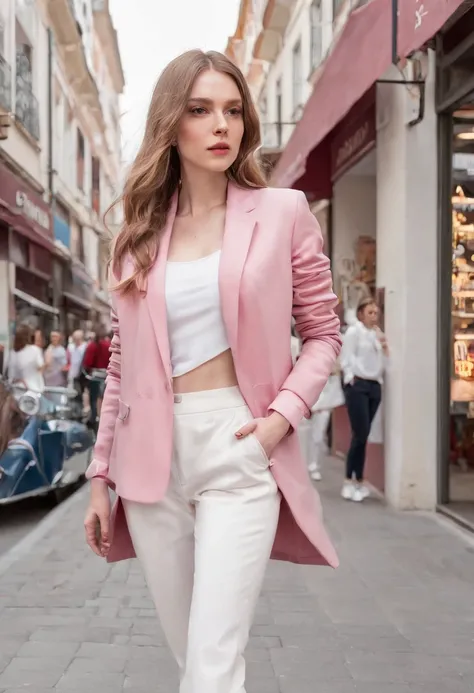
(204, 547)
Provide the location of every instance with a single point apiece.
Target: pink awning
(361, 55)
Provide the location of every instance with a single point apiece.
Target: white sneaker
(348, 490)
(361, 492)
(314, 472)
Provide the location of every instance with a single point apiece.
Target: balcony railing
(27, 109)
(5, 85)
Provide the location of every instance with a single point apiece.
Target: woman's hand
(269, 431)
(383, 341)
(97, 518)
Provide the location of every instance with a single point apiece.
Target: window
(2, 35)
(80, 244)
(279, 113)
(95, 184)
(80, 157)
(26, 104)
(336, 6)
(316, 33)
(297, 76)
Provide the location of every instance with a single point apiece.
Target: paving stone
(397, 617)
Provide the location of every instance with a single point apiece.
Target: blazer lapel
(239, 227)
(155, 295)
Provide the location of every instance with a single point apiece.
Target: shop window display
(462, 326)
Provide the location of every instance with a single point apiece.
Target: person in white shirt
(76, 350)
(363, 360)
(26, 362)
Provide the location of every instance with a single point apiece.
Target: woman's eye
(235, 111)
(198, 110)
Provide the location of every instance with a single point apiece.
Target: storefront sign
(32, 210)
(23, 208)
(354, 138)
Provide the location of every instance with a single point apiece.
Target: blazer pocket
(123, 411)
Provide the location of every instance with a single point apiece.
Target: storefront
(354, 185)
(26, 223)
(455, 103)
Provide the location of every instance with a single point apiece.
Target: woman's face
(38, 338)
(370, 315)
(55, 338)
(212, 126)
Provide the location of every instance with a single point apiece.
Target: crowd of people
(58, 362)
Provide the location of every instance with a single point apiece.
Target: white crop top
(196, 329)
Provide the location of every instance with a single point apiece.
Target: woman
(363, 357)
(56, 361)
(26, 363)
(197, 428)
(331, 397)
(96, 357)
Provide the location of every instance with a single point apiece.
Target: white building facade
(60, 154)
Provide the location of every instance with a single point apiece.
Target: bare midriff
(217, 373)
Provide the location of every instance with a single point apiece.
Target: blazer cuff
(291, 407)
(97, 469)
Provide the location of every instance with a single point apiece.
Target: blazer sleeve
(99, 466)
(316, 322)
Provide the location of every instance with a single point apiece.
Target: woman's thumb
(104, 528)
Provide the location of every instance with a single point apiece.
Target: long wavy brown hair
(155, 174)
(12, 420)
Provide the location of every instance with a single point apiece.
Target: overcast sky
(150, 36)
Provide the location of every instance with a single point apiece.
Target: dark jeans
(94, 394)
(362, 401)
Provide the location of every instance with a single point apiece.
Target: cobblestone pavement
(397, 617)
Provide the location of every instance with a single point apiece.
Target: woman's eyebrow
(209, 102)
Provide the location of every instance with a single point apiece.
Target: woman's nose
(220, 124)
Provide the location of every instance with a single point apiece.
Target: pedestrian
(331, 397)
(76, 350)
(96, 358)
(25, 362)
(197, 428)
(363, 362)
(56, 362)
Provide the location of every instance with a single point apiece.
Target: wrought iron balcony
(5, 85)
(27, 108)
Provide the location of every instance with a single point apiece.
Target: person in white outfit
(331, 397)
(26, 362)
(363, 361)
(196, 432)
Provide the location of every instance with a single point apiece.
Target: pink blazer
(272, 267)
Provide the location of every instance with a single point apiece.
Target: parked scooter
(52, 452)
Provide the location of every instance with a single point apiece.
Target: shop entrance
(456, 271)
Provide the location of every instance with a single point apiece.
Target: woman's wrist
(278, 421)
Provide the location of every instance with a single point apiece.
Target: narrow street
(20, 518)
(396, 617)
